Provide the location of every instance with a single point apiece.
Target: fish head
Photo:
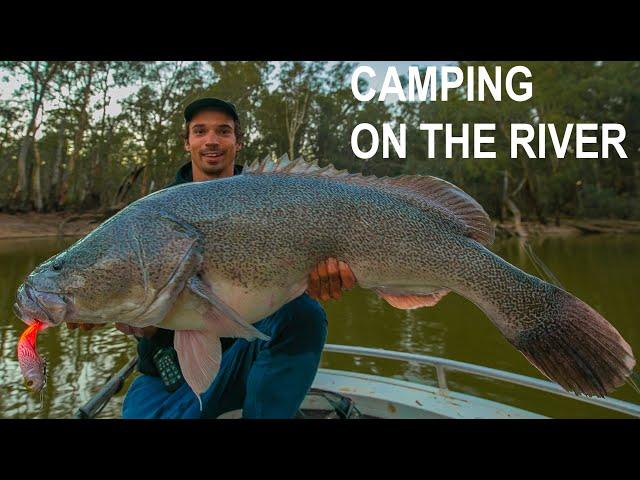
(35, 376)
(91, 280)
(119, 272)
(26, 307)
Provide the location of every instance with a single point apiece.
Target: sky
(402, 67)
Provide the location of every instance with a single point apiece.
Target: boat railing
(442, 365)
(95, 405)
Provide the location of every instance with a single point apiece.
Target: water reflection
(78, 363)
(598, 269)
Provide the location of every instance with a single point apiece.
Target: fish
(209, 259)
(32, 365)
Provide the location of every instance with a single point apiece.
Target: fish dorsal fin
(426, 189)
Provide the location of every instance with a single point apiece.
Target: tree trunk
(35, 178)
(125, 187)
(71, 170)
(579, 201)
(293, 125)
(596, 174)
(517, 220)
(96, 173)
(530, 189)
(21, 192)
(81, 191)
(505, 196)
(105, 170)
(96, 189)
(57, 166)
(145, 181)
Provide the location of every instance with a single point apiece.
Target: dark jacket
(164, 338)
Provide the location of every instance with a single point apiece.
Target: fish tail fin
(575, 346)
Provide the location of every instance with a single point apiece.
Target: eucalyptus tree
(9, 128)
(332, 117)
(28, 99)
(246, 85)
(153, 115)
(290, 102)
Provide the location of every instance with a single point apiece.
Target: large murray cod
(208, 259)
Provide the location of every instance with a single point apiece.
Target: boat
(340, 394)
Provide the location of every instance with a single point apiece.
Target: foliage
(62, 112)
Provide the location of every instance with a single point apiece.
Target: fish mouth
(50, 308)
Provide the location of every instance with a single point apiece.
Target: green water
(599, 269)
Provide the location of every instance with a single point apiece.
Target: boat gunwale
(443, 364)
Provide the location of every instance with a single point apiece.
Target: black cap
(209, 102)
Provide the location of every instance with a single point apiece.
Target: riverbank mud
(68, 224)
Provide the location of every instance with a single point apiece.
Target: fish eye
(57, 265)
(30, 383)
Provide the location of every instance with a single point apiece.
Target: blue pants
(266, 379)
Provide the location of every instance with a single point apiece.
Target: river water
(599, 269)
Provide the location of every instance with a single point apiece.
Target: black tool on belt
(166, 362)
(158, 358)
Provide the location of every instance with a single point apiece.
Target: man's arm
(326, 281)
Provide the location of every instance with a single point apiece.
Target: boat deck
(349, 395)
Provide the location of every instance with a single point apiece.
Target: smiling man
(213, 136)
(266, 379)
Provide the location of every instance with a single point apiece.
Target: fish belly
(187, 313)
(190, 310)
(254, 304)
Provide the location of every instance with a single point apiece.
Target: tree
(84, 77)
(30, 97)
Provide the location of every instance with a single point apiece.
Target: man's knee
(304, 321)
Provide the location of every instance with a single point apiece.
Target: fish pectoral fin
(221, 318)
(409, 300)
(199, 355)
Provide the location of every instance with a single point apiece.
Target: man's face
(213, 145)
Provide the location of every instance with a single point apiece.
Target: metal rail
(95, 405)
(443, 364)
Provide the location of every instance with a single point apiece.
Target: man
(267, 379)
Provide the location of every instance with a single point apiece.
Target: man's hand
(126, 329)
(329, 278)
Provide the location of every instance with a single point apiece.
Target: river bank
(69, 224)
(569, 227)
(33, 225)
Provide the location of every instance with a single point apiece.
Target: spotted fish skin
(250, 242)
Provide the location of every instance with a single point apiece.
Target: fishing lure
(32, 365)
